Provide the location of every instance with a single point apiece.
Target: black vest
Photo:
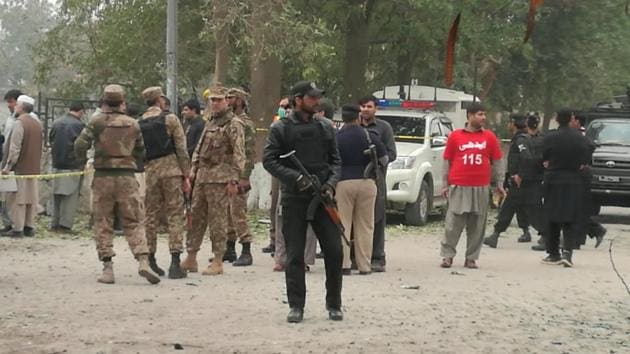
(311, 143)
(157, 142)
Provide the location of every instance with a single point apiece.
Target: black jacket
(278, 144)
(385, 132)
(62, 136)
(566, 150)
(193, 129)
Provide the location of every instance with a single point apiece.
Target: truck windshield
(609, 133)
(406, 127)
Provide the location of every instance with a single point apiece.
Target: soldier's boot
(145, 271)
(175, 271)
(108, 273)
(246, 256)
(153, 264)
(190, 263)
(525, 237)
(216, 267)
(492, 240)
(230, 252)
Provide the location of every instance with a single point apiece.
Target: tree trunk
(265, 69)
(356, 56)
(222, 46)
(548, 106)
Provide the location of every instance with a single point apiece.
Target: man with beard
(313, 142)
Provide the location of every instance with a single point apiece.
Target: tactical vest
(114, 145)
(157, 142)
(311, 142)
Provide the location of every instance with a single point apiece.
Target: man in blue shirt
(356, 189)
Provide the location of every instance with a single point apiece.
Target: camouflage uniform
(118, 149)
(164, 186)
(115, 134)
(237, 219)
(219, 159)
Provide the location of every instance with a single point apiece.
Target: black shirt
(193, 129)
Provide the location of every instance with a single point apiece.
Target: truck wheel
(417, 213)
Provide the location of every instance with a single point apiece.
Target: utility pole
(171, 52)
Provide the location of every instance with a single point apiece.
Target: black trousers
(294, 227)
(570, 235)
(511, 205)
(378, 242)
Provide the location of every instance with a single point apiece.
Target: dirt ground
(51, 303)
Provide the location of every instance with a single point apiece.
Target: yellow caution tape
(47, 176)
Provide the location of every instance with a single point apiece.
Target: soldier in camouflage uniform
(167, 167)
(118, 148)
(237, 220)
(217, 166)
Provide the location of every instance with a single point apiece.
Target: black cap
(350, 112)
(306, 88)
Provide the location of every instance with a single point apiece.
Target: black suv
(611, 159)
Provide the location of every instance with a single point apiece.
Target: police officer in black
(565, 152)
(315, 146)
(525, 172)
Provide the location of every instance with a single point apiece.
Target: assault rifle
(329, 204)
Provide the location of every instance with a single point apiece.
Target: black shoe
(335, 314)
(246, 257)
(154, 267)
(230, 252)
(29, 231)
(6, 229)
(599, 238)
(13, 234)
(566, 258)
(525, 237)
(295, 315)
(365, 273)
(65, 230)
(492, 240)
(346, 271)
(269, 249)
(539, 247)
(319, 255)
(552, 260)
(174, 271)
(378, 266)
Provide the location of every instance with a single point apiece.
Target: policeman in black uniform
(315, 146)
(565, 152)
(521, 184)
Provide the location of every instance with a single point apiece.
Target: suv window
(406, 126)
(609, 133)
(435, 128)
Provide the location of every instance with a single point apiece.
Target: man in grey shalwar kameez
(66, 189)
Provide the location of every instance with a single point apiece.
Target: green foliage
(576, 56)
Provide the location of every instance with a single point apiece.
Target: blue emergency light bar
(385, 103)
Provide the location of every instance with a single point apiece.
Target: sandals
(471, 264)
(447, 262)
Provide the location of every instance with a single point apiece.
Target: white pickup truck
(414, 179)
(421, 126)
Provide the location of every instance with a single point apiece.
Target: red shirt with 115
(469, 154)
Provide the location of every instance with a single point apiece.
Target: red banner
(531, 17)
(449, 58)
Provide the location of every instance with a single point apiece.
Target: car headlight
(403, 163)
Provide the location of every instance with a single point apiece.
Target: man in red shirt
(472, 154)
